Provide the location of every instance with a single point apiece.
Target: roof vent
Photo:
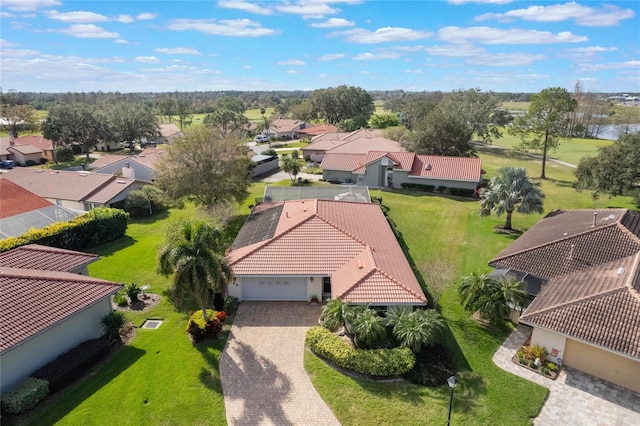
(427, 166)
(83, 174)
(620, 271)
(611, 217)
(595, 217)
(122, 181)
(360, 264)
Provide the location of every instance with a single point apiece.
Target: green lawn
(254, 114)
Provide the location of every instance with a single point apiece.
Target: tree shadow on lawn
(61, 404)
(107, 249)
(158, 215)
(560, 183)
(211, 351)
(414, 193)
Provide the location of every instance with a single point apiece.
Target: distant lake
(612, 132)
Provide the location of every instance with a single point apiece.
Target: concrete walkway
(575, 398)
(262, 371)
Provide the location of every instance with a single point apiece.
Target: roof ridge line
(635, 271)
(344, 231)
(627, 230)
(568, 237)
(393, 279)
(581, 300)
(55, 276)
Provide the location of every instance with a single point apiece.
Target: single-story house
(357, 142)
(391, 169)
(81, 191)
(40, 142)
(587, 311)
(264, 164)
(142, 167)
(5, 143)
(168, 133)
(46, 312)
(22, 154)
(286, 128)
(21, 210)
(312, 131)
(293, 250)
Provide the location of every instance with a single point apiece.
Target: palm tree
(509, 192)
(472, 288)
(418, 328)
(264, 125)
(194, 256)
(369, 328)
(336, 314)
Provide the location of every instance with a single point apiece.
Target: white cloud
(479, 1)
(6, 15)
(87, 31)
(25, 5)
(368, 56)
(147, 59)
(245, 6)
(125, 19)
(80, 17)
(488, 35)
(290, 62)
(121, 41)
(294, 71)
(592, 49)
(505, 59)
(146, 16)
(18, 53)
(177, 50)
(308, 9)
(331, 56)
(382, 35)
(455, 50)
(413, 71)
(334, 23)
(608, 15)
(5, 43)
(365, 72)
(611, 66)
(230, 28)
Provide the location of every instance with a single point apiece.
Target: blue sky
(159, 46)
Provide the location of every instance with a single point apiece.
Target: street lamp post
(452, 382)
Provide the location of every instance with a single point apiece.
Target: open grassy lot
(161, 378)
(254, 114)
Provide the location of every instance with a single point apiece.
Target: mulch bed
(142, 304)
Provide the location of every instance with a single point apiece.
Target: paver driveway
(262, 372)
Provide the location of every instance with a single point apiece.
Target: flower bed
(534, 358)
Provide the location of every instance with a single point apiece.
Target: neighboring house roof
(37, 141)
(169, 130)
(422, 166)
(318, 130)
(36, 256)
(14, 199)
(66, 185)
(351, 242)
(567, 241)
(283, 125)
(362, 145)
(25, 149)
(324, 142)
(32, 301)
(5, 143)
(599, 305)
(149, 158)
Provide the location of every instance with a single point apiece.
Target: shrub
(30, 163)
(418, 186)
(64, 155)
(198, 318)
(43, 161)
(112, 323)
(133, 290)
(462, 192)
(199, 329)
(231, 304)
(212, 329)
(119, 299)
(25, 395)
(371, 362)
(434, 365)
(72, 364)
(551, 366)
(221, 316)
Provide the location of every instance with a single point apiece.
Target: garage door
(274, 288)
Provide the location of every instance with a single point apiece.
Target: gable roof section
(148, 158)
(25, 149)
(37, 141)
(168, 130)
(362, 145)
(24, 293)
(567, 241)
(281, 125)
(36, 256)
(65, 185)
(351, 242)
(14, 199)
(599, 305)
(447, 168)
(318, 130)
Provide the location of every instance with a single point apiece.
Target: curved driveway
(262, 371)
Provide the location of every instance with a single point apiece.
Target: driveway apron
(262, 371)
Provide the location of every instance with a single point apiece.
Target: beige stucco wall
(550, 341)
(606, 365)
(19, 362)
(74, 205)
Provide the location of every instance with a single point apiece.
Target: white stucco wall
(550, 341)
(314, 288)
(19, 362)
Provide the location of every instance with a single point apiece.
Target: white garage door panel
(274, 288)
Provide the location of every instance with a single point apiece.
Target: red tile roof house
(168, 133)
(141, 167)
(294, 250)
(46, 308)
(326, 142)
(587, 313)
(37, 141)
(286, 128)
(21, 210)
(80, 191)
(380, 169)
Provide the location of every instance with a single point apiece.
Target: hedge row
(25, 396)
(371, 362)
(73, 364)
(460, 192)
(91, 229)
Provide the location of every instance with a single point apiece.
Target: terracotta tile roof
(64, 185)
(24, 294)
(567, 241)
(351, 242)
(349, 162)
(324, 143)
(36, 256)
(318, 130)
(448, 168)
(363, 133)
(37, 141)
(363, 145)
(282, 125)
(14, 199)
(599, 305)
